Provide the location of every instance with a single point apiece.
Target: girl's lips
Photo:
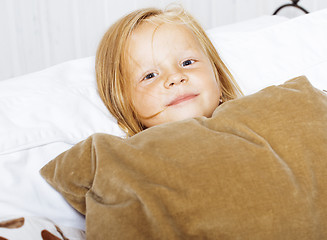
(182, 98)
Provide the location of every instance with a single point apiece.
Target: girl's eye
(150, 75)
(187, 62)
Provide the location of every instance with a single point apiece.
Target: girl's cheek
(146, 93)
(152, 88)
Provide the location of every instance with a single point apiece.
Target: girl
(155, 66)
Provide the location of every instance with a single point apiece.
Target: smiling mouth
(182, 98)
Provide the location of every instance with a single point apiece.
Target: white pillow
(277, 53)
(57, 104)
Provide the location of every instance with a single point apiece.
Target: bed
(46, 113)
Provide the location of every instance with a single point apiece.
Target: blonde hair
(111, 74)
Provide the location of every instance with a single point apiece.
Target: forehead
(169, 37)
(155, 31)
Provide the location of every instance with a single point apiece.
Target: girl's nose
(175, 79)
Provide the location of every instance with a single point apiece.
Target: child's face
(172, 77)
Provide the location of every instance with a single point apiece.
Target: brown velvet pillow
(256, 170)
